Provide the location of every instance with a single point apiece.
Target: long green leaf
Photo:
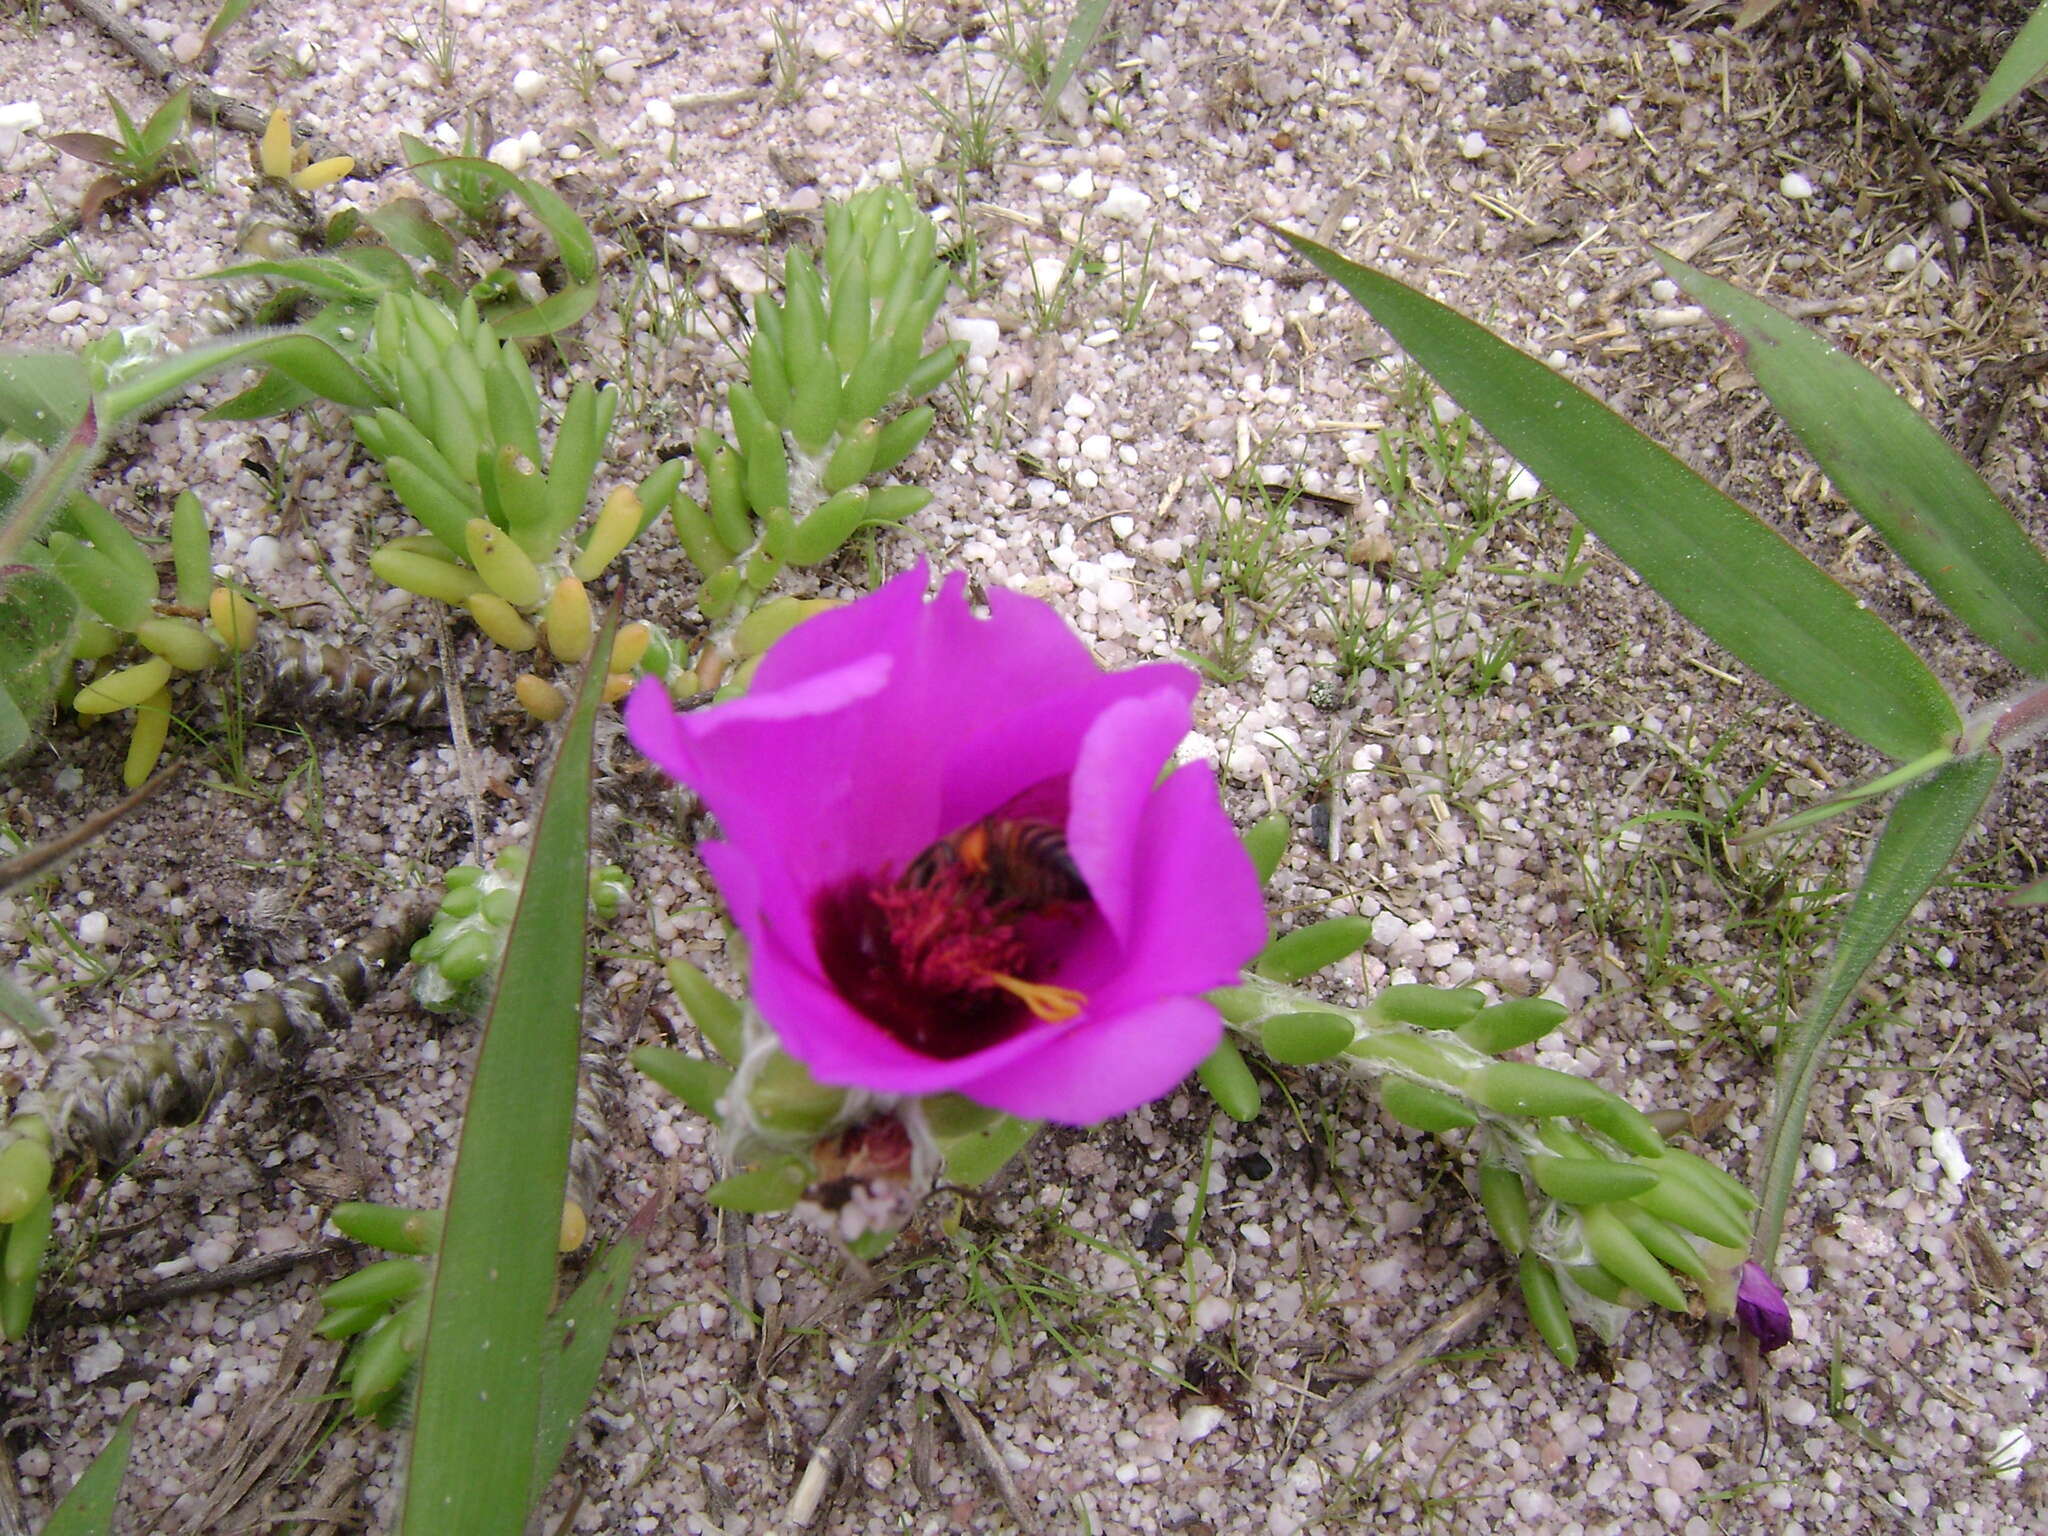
(88, 1509)
(571, 236)
(300, 356)
(1712, 559)
(1924, 831)
(482, 1370)
(43, 395)
(2024, 61)
(1919, 494)
(1089, 16)
(579, 1336)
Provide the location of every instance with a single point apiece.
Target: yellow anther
(1053, 1004)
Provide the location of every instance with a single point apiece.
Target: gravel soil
(1476, 785)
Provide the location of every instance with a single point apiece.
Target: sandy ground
(1510, 158)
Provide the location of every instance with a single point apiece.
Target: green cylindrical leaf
(1517, 1022)
(725, 495)
(1266, 841)
(774, 1187)
(716, 1016)
(787, 1101)
(851, 312)
(1428, 1007)
(893, 503)
(899, 439)
(1298, 1039)
(181, 642)
(764, 460)
(1229, 1081)
(1307, 950)
(852, 459)
(1518, 1088)
(1505, 1199)
(697, 1082)
(504, 567)
(803, 316)
(1625, 1258)
(1666, 1243)
(382, 1284)
(814, 407)
(1548, 1314)
(1589, 1181)
(442, 512)
(28, 1239)
(1424, 1108)
(818, 537)
(390, 1227)
(191, 550)
(378, 1366)
(769, 381)
(929, 372)
(24, 1177)
(694, 532)
(347, 1322)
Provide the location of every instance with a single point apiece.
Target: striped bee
(1017, 860)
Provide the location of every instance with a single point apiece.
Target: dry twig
(987, 1457)
(828, 1455)
(1447, 1332)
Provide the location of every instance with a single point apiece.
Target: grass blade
(1712, 559)
(88, 1509)
(1922, 835)
(1900, 474)
(579, 1336)
(478, 1415)
(2024, 61)
(1089, 16)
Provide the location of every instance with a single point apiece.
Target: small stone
(263, 556)
(1616, 123)
(92, 928)
(982, 336)
(1211, 1313)
(510, 153)
(1472, 145)
(1959, 213)
(1948, 1151)
(1082, 187)
(1372, 547)
(187, 46)
(1795, 186)
(1198, 1421)
(1123, 202)
(1903, 257)
(660, 113)
(1523, 484)
(528, 84)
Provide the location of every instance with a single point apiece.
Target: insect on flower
(962, 857)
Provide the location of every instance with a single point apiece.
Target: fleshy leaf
(1711, 558)
(1899, 473)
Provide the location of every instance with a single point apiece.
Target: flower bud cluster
(89, 593)
(1602, 1215)
(456, 959)
(460, 443)
(830, 369)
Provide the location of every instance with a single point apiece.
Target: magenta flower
(957, 865)
(1760, 1308)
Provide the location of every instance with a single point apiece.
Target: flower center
(950, 958)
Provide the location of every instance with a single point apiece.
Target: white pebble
(1472, 145)
(1663, 290)
(528, 84)
(1082, 187)
(263, 556)
(1795, 186)
(1124, 201)
(1616, 123)
(1959, 213)
(94, 1361)
(1097, 447)
(510, 153)
(1903, 257)
(187, 46)
(1211, 1313)
(92, 928)
(1821, 1158)
(1200, 1420)
(1948, 1152)
(2009, 1454)
(981, 335)
(660, 113)
(1522, 484)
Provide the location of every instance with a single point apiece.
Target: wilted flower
(950, 846)
(1760, 1308)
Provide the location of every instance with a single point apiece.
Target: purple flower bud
(962, 857)
(1760, 1308)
